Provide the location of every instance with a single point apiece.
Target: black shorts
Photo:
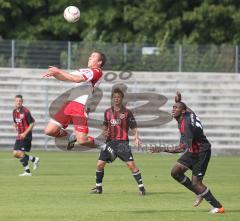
(23, 145)
(121, 150)
(198, 163)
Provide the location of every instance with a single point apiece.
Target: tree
(159, 22)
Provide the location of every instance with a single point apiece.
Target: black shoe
(142, 191)
(96, 190)
(71, 144)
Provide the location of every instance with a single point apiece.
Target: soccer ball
(71, 14)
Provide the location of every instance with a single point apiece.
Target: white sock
(30, 157)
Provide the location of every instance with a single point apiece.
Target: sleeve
(14, 121)
(188, 135)
(29, 118)
(105, 120)
(86, 73)
(131, 120)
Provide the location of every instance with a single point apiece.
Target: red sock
(60, 133)
(91, 139)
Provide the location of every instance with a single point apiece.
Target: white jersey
(83, 90)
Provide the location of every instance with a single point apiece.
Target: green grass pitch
(59, 190)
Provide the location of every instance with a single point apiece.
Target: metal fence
(137, 57)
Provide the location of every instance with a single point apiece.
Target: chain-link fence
(120, 56)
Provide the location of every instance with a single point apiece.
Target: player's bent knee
(48, 131)
(131, 165)
(18, 154)
(177, 176)
(101, 165)
(196, 183)
(173, 174)
(51, 132)
(15, 154)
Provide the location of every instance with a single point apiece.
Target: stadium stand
(213, 96)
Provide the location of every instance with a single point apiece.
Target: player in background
(73, 111)
(23, 123)
(117, 121)
(196, 151)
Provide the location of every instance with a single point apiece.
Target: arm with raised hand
(62, 75)
(175, 149)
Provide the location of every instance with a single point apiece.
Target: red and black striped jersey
(192, 135)
(118, 123)
(22, 118)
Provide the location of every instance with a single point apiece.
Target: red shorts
(72, 112)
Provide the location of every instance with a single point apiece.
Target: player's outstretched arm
(53, 72)
(177, 149)
(62, 75)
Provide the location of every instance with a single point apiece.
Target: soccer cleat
(36, 163)
(198, 201)
(71, 141)
(25, 174)
(96, 190)
(142, 191)
(217, 210)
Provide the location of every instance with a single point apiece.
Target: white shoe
(198, 200)
(25, 174)
(36, 163)
(217, 210)
(71, 141)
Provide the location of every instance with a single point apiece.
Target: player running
(117, 121)
(23, 123)
(197, 153)
(73, 111)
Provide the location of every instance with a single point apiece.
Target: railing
(137, 57)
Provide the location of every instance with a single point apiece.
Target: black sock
(207, 195)
(99, 178)
(24, 162)
(32, 158)
(137, 176)
(26, 157)
(185, 181)
(188, 184)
